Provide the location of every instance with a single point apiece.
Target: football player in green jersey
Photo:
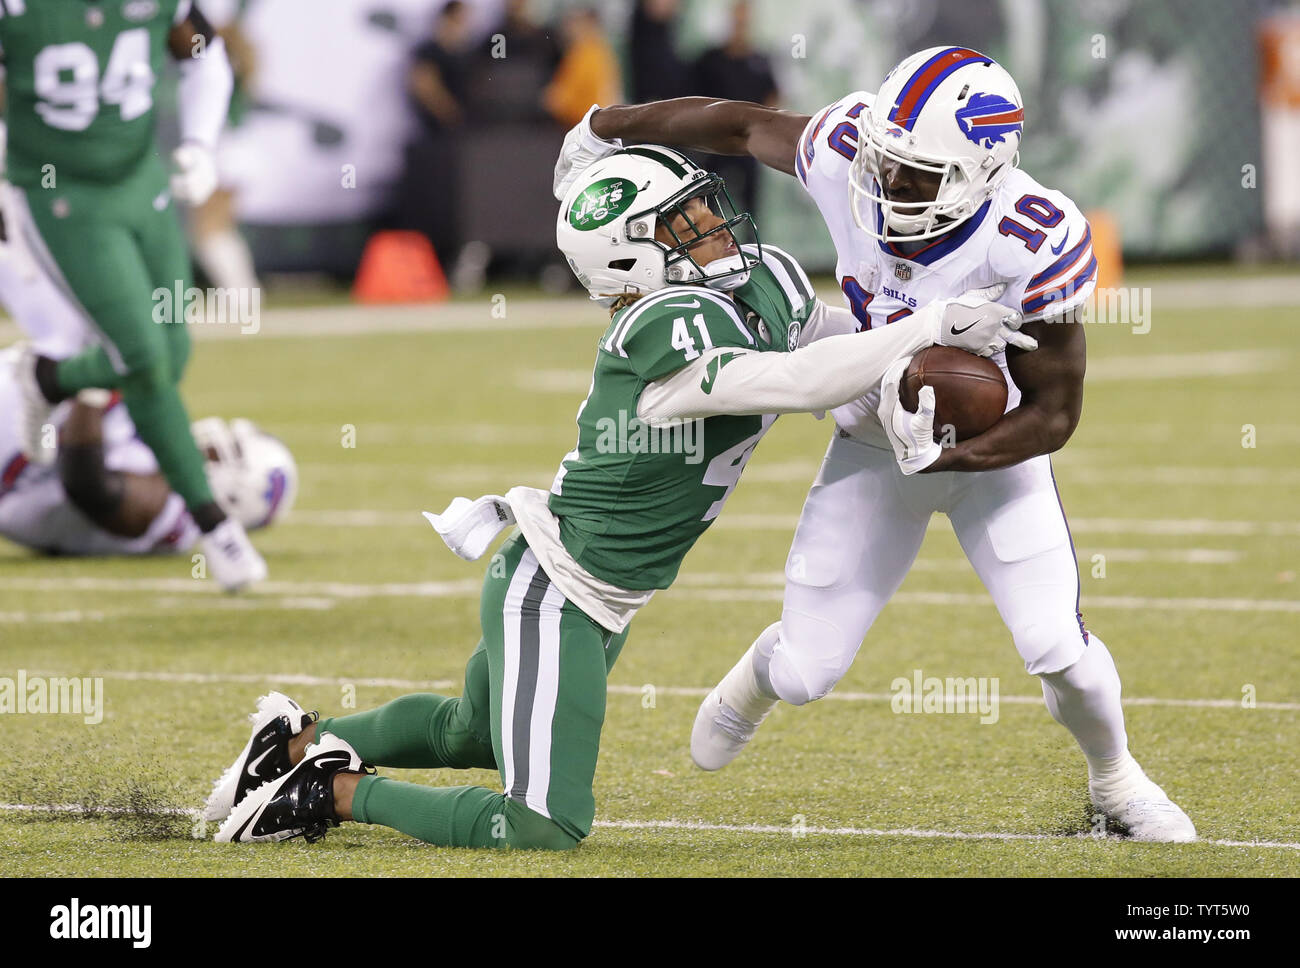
(708, 340)
(89, 204)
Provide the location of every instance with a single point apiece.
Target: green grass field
(1198, 604)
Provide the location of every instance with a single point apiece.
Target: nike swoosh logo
(957, 332)
(252, 767)
(689, 305)
(1056, 249)
(238, 835)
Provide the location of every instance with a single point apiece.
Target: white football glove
(195, 177)
(581, 148)
(911, 434)
(972, 323)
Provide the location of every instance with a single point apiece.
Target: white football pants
(860, 530)
(52, 321)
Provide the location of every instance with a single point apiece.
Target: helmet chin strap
(906, 224)
(732, 264)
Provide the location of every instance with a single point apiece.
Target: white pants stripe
(530, 682)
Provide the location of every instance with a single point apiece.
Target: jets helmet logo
(602, 202)
(987, 119)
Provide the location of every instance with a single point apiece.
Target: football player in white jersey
(104, 495)
(919, 186)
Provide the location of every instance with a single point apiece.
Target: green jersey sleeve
(662, 333)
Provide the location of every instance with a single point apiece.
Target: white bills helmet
(252, 474)
(606, 224)
(951, 111)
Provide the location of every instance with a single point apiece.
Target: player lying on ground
(919, 188)
(708, 339)
(104, 495)
(90, 210)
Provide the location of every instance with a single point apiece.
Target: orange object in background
(1107, 248)
(399, 267)
(1279, 97)
(588, 73)
(1279, 60)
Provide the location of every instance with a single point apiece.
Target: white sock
(762, 658)
(1085, 700)
(226, 259)
(742, 689)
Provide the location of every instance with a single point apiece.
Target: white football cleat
(300, 803)
(231, 557)
(729, 716)
(1130, 798)
(32, 415)
(265, 756)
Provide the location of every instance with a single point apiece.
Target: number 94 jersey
(80, 83)
(1030, 237)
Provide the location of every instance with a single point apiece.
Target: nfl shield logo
(903, 271)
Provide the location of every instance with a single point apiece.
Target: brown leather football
(970, 392)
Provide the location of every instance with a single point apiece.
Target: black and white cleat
(298, 804)
(265, 757)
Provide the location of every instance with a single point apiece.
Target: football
(970, 393)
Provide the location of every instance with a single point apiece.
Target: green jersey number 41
(70, 89)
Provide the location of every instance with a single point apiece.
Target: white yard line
(974, 599)
(301, 594)
(332, 589)
(293, 679)
(618, 689)
(912, 832)
(1182, 476)
(75, 615)
(377, 517)
(1184, 366)
(1160, 526)
(798, 472)
(576, 312)
(704, 827)
(1200, 292)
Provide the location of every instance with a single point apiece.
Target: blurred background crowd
(1180, 118)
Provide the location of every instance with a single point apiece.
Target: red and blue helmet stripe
(276, 486)
(927, 77)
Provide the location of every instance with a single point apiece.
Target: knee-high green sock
(419, 731)
(455, 816)
(160, 419)
(89, 368)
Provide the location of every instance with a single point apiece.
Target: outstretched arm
(707, 124)
(825, 374)
(1051, 399)
(203, 96)
(701, 123)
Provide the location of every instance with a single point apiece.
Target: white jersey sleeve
(826, 149)
(1043, 249)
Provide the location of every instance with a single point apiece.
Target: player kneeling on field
(104, 494)
(710, 336)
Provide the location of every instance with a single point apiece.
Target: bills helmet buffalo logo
(987, 119)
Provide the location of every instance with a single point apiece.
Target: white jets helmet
(948, 110)
(252, 474)
(606, 225)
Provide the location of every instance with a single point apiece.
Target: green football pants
(111, 249)
(532, 708)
